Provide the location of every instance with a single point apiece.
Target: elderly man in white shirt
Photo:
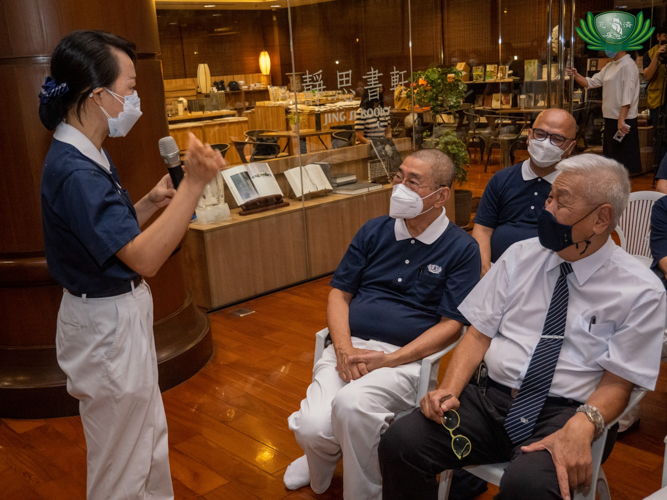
(561, 320)
(619, 80)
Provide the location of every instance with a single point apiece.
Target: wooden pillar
(31, 383)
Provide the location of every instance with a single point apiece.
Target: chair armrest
(321, 338)
(635, 398)
(430, 366)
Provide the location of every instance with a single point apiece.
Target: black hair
(84, 60)
(661, 29)
(367, 102)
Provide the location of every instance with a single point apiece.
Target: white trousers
(107, 350)
(348, 418)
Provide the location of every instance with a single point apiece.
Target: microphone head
(168, 147)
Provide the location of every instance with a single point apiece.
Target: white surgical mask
(121, 125)
(543, 153)
(406, 204)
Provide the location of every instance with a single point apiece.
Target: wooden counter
(251, 255)
(222, 130)
(189, 117)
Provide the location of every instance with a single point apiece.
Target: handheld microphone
(172, 157)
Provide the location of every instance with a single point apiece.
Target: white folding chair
(634, 227)
(427, 376)
(494, 472)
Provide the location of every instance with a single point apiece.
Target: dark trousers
(625, 152)
(414, 449)
(662, 145)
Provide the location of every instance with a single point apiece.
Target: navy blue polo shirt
(658, 241)
(662, 169)
(510, 205)
(86, 217)
(403, 286)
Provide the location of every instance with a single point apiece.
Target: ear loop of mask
(427, 211)
(585, 240)
(114, 95)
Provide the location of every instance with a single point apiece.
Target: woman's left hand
(162, 193)
(623, 129)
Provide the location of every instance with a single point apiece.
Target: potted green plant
(452, 146)
(294, 120)
(441, 88)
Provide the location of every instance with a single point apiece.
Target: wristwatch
(595, 418)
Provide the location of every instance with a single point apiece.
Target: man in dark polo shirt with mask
(514, 196)
(394, 301)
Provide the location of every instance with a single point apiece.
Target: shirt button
(535, 193)
(412, 241)
(400, 279)
(407, 261)
(532, 208)
(539, 179)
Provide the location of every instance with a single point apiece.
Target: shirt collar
(621, 59)
(528, 174)
(430, 234)
(588, 266)
(74, 137)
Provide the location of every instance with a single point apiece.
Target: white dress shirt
(74, 137)
(627, 300)
(620, 87)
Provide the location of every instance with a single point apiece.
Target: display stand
(311, 195)
(263, 204)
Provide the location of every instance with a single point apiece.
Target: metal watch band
(595, 418)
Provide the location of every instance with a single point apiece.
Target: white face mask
(543, 153)
(406, 204)
(121, 125)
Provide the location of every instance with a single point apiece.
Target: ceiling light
(516, 58)
(216, 15)
(275, 6)
(336, 62)
(209, 6)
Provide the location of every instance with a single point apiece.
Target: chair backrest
(222, 147)
(260, 150)
(253, 135)
(634, 227)
(342, 139)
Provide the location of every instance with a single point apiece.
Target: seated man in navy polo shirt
(515, 195)
(661, 176)
(394, 301)
(658, 243)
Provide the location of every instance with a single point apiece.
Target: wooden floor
(228, 430)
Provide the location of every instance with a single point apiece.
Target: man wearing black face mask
(561, 320)
(514, 196)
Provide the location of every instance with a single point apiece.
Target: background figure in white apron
(96, 250)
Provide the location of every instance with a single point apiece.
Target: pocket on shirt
(585, 346)
(429, 289)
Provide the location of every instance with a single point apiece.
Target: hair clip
(52, 90)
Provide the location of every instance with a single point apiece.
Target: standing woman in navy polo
(96, 250)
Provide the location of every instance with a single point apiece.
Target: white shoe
(297, 474)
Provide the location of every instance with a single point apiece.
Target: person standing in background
(654, 72)
(619, 80)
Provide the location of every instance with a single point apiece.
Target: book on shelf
(251, 181)
(495, 103)
(314, 180)
(530, 100)
(342, 179)
(478, 74)
(502, 73)
(530, 69)
(479, 100)
(505, 101)
(357, 188)
(491, 70)
(488, 99)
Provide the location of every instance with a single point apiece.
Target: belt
(553, 400)
(124, 287)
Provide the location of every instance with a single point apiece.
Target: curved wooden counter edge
(33, 386)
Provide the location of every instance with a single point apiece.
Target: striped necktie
(534, 389)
